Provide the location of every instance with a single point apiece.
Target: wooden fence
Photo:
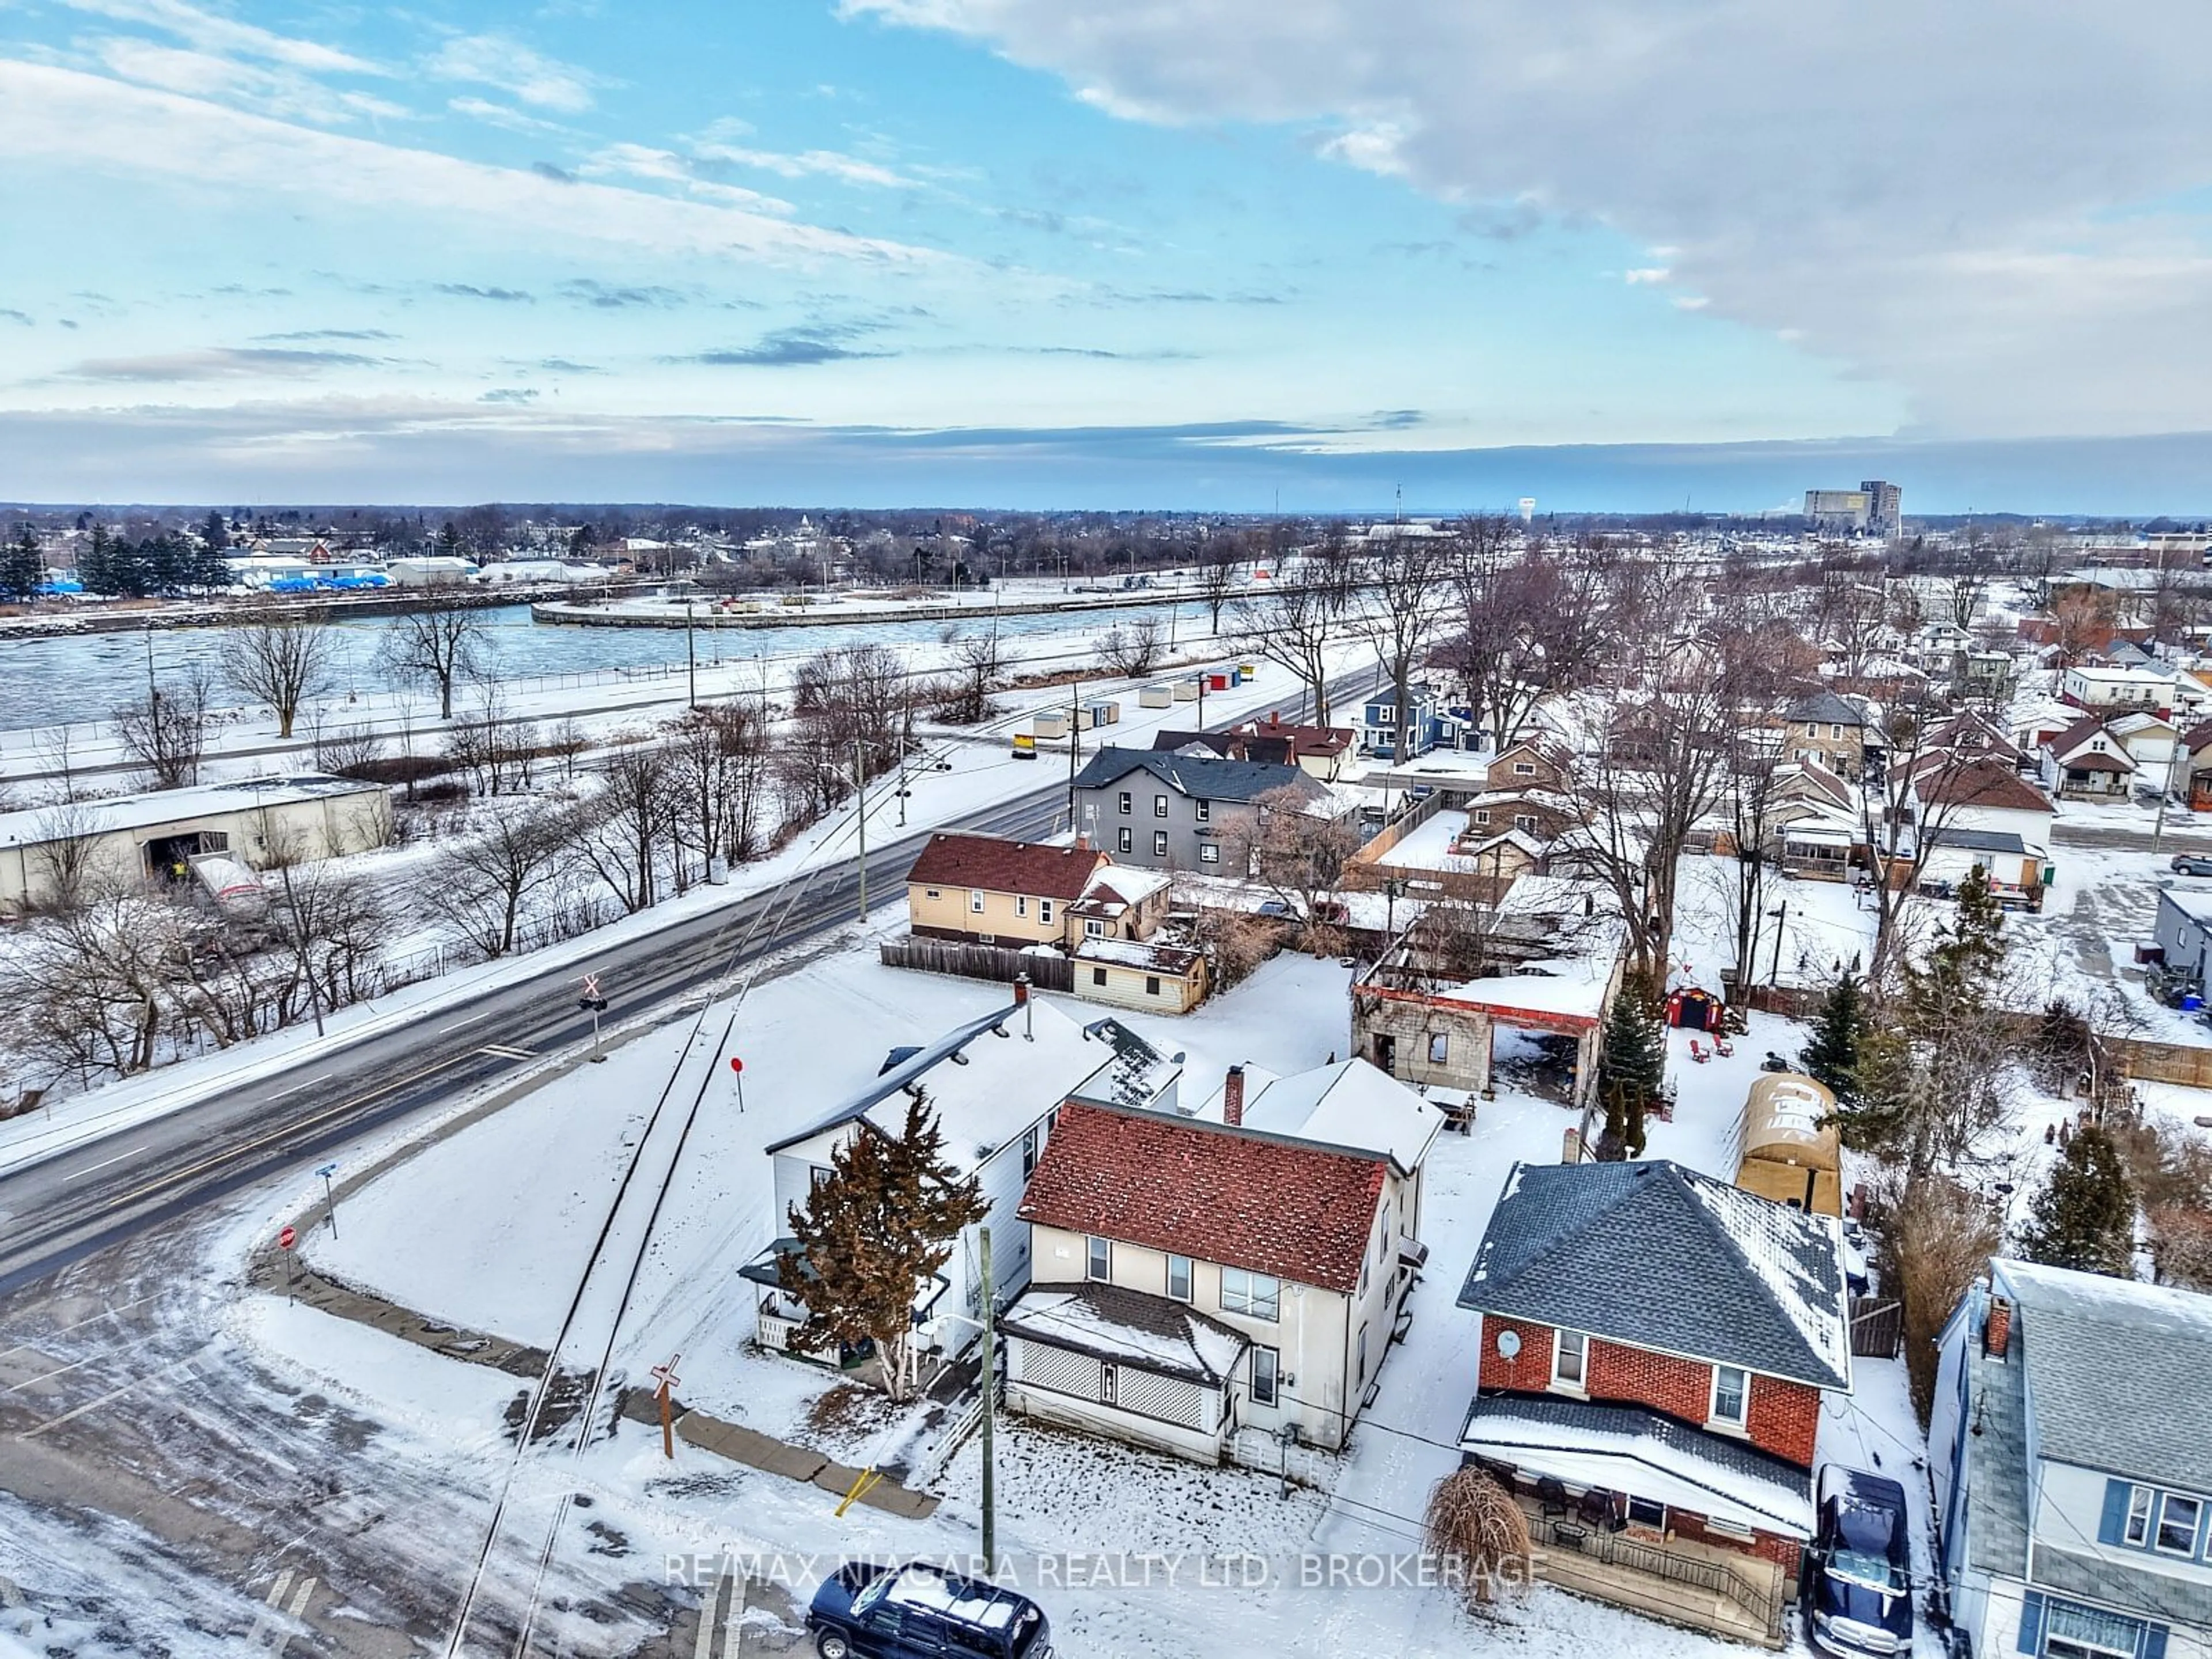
(992, 961)
(1877, 1327)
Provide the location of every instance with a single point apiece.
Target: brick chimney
(1232, 1098)
(1083, 841)
(1997, 1334)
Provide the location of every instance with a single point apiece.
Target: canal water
(85, 677)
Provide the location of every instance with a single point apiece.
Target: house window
(1179, 1278)
(1044, 911)
(1256, 1295)
(1151, 985)
(2140, 1501)
(1482, 815)
(975, 900)
(1160, 843)
(2176, 1524)
(933, 893)
(817, 1175)
(1570, 1360)
(2072, 1631)
(1094, 928)
(1812, 730)
(1204, 810)
(1525, 821)
(1159, 806)
(1523, 769)
(1731, 1394)
(1127, 801)
(1101, 1262)
(1097, 975)
(1209, 852)
(1643, 1512)
(1021, 904)
(1266, 1370)
(1030, 1138)
(1836, 732)
(1726, 1528)
(1439, 1048)
(1106, 1384)
(1127, 843)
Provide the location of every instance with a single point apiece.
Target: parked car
(2192, 864)
(866, 1610)
(1858, 1585)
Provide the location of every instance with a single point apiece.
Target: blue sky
(998, 252)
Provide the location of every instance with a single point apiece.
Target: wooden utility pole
(990, 1407)
(1074, 744)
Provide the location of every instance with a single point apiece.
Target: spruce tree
(1630, 1071)
(23, 567)
(871, 1235)
(1832, 1056)
(2085, 1216)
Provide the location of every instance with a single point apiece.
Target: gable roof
(2198, 736)
(999, 865)
(1304, 739)
(1351, 1103)
(1200, 777)
(1828, 707)
(1984, 782)
(1127, 1327)
(1230, 745)
(2062, 743)
(2119, 1374)
(1657, 1257)
(1215, 1194)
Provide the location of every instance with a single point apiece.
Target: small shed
(1788, 1150)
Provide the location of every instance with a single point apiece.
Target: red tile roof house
(1208, 1289)
(1654, 1347)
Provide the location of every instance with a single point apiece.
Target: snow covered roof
(119, 814)
(1351, 1103)
(1627, 1449)
(1201, 778)
(1173, 959)
(1580, 994)
(2119, 1373)
(985, 1088)
(1657, 1257)
(1236, 1196)
(1129, 1328)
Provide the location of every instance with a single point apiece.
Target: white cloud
(667, 166)
(1950, 197)
(51, 117)
(1649, 273)
(501, 61)
(280, 92)
(812, 163)
(212, 33)
(499, 115)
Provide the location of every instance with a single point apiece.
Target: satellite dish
(1509, 1344)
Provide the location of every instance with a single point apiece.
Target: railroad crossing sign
(666, 1379)
(594, 1005)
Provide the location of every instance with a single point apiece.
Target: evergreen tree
(214, 534)
(449, 541)
(882, 1222)
(23, 567)
(2085, 1216)
(1832, 1056)
(1630, 1070)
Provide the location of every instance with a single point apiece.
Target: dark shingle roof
(1201, 779)
(1112, 1321)
(1657, 1257)
(1826, 706)
(1299, 1210)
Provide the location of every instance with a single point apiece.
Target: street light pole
(329, 1198)
(690, 654)
(860, 790)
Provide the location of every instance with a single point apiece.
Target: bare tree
(625, 830)
(440, 647)
(166, 731)
(1294, 625)
(351, 751)
(1529, 626)
(1131, 651)
(717, 760)
(1407, 590)
(1217, 562)
(977, 663)
(1968, 588)
(56, 746)
(279, 656)
(1295, 848)
(486, 883)
(67, 855)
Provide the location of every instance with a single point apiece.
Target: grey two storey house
(1178, 810)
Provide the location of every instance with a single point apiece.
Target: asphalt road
(97, 1194)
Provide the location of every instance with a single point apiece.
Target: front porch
(1661, 1575)
(778, 1316)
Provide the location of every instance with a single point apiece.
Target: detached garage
(130, 839)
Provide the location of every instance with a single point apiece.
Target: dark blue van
(1858, 1581)
(868, 1611)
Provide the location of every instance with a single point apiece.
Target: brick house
(1213, 1289)
(1655, 1348)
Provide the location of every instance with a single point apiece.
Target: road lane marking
(95, 1405)
(707, 1610)
(57, 1370)
(91, 1169)
(470, 1020)
(508, 1051)
(281, 1093)
(91, 1319)
(259, 1635)
(10, 1596)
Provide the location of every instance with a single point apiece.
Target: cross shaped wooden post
(665, 1379)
